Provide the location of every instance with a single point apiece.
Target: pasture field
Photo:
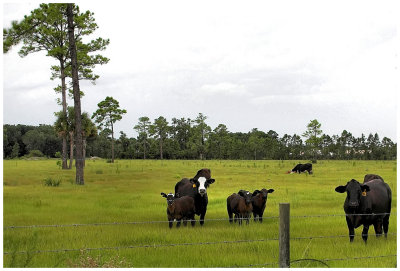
(129, 191)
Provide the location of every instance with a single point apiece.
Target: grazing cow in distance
(197, 189)
(367, 204)
(259, 201)
(240, 205)
(179, 208)
(299, 168)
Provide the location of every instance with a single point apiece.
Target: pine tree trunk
(64, 108)
(161, 149)
(112, 143)
(77, 99)
(84, 151)
(71, 149)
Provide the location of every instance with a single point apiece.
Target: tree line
(185, 138)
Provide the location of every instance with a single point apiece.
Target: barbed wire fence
(155, 246)
(165, 221)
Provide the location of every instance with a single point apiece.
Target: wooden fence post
(284, 235)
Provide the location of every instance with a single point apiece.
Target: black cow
(259, 201)
(367, 204)
(299, 168)
(197, 189)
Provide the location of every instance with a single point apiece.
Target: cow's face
(264, 192)
(170, 198)
(202, 184)
(246, 195)
(354, 191)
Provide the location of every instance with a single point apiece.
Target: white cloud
(245, 64)
(225, 89)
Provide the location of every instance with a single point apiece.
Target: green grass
(129, 191)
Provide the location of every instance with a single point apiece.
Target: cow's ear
(270, 190)
(192, 181)
(365, 188)
(241, 193)
(163, 194)
(255, 192)
(210, 181)
(341, 189)
(177, 195)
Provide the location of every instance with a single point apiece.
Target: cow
(259, 201)
(197, 189)
(240, 205)
(367, 204)
(299, 168)
(179, 208)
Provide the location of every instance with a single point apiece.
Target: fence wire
(175, 245)
(142, 246)
(165, 221)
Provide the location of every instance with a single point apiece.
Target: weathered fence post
(284, 235)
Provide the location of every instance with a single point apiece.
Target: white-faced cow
(197, 189)
(299, 168)
(259, 201)
(367, 204)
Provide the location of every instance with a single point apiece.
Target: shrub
(57, 155)
(52, 182)
(87, 261)
(35, 153)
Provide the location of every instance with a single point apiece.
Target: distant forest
(186, 139)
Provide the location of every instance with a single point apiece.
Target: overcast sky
(271, 65)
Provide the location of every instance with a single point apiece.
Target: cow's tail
(389, 191)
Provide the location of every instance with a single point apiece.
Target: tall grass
(129, 191)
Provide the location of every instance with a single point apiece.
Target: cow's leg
(170, 222)
(192, 220)
(378, 228)
(255, 217)
(365, 233)
(351, 229)
(202, 219)
(248, 219)
(230, 216)
(185, 221)
(240, 219)
(386, 224)
(260, 218)
(178, 223)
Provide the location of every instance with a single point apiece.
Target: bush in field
(35, 153)
(52, 182)
(87, 261)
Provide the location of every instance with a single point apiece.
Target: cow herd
(365, 204)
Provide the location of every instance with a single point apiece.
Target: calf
(299, 168)
(240, 205)
(259, 201)
(367, 204)
(179, 208)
